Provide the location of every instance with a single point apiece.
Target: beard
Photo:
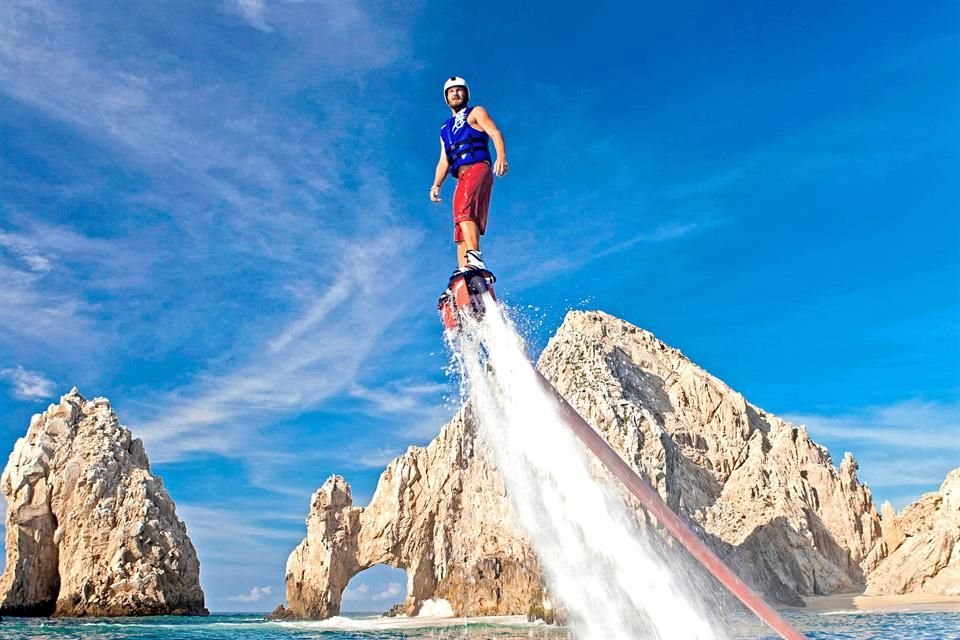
(457, 103)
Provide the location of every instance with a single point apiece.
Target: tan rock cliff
(924, 545)
(90, 532)
(761, 491)
(441, 513)
(768, 497)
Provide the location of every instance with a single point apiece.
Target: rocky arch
(439, 513)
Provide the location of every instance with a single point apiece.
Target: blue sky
(215, 214)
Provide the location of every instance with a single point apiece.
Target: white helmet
(455, 81)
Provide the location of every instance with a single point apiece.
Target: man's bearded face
(456, 97)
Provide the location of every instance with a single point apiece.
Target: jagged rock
(923, 544)
(90, 532)
(768, 497)
(763, 494)
(441, 513)
(280, 613)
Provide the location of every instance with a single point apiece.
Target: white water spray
(594, 557)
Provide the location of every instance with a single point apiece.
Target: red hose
(664, 515)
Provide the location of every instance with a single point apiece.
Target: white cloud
(256, 595)
(252, 12)
(365, 593)
(28, 385)
(48, 272)
(31, 310)
(359, 592)
(392, 590)
(402, 397)
(662, 233)
(362, 592)
(912, 424)
(378, 458)
(25, 249)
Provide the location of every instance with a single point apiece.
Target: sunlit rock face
(924, 545)
(90, 531)
(762, 493)
(759, 490)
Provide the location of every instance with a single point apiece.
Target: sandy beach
(857, 602)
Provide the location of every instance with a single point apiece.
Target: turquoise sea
(839, 625)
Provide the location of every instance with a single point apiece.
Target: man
(465, 154)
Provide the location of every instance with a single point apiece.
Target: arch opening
(378, 589)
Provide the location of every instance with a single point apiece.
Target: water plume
(596, 561)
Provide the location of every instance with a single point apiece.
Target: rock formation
(923, 544)
(760, 490)
(766, 495)
(90, 532)
(441, 513)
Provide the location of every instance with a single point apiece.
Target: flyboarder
(465, 154)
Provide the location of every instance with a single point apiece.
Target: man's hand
(501, 166)
(435, 193)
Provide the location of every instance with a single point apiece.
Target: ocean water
(818, 626)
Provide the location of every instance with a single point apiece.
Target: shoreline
(857, 602)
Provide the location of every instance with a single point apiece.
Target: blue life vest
(464, 144)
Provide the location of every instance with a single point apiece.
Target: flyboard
(471, 293)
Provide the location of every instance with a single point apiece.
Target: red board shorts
(471, 200)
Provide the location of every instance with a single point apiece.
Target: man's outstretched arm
(440, 175)
(500, 167)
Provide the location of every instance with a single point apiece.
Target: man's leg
(470, 233)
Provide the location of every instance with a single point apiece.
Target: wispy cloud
(359, 592)
(316, 356)
(30, 310)
(904, 449)
(234, 537)
(228, 170)
(401, 397)
(55, 279)
(549, 267)
(26, 250)
(912, 424)
(252, 12)
(392, 590)
(243, 188)
(364, 592)
(378, 458)
(28, 385)
(256, 594)
(662, 233)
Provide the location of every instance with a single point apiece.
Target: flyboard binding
(465, 295)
